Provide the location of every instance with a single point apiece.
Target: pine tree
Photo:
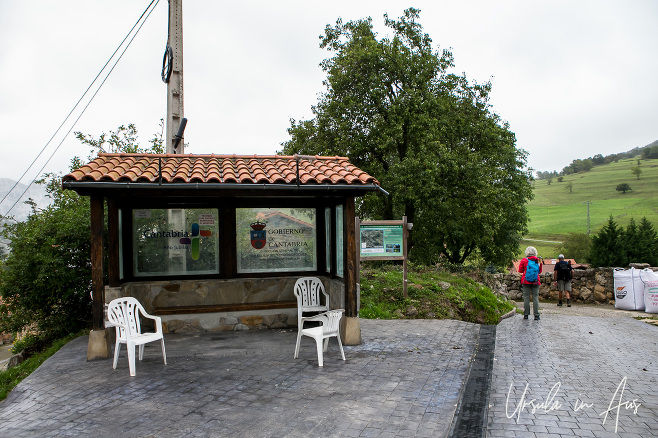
(606, 246)
(630, 241)
(647, 249)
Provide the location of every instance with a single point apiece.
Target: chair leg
(326, 344)
(131, 358)
(340, 344)
(318, 344)
(164, 355)
(141, 351)
(117, 346)
(299, 338)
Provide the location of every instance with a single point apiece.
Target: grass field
(554, 212)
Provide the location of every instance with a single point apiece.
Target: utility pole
(588, 203)
(172, 75)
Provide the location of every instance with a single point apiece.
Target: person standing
(563, 274)
(530, 268)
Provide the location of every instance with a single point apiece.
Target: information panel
(381, 241)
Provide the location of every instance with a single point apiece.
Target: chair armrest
(322, 317)
(157, 319)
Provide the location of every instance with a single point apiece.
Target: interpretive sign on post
(384, 240)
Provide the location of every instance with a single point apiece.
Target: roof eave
(85, 187)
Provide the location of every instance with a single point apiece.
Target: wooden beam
(97, 286)
(113, 243)
(225, 308)
(351, 307)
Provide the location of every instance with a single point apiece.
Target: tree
(45, 279)
(606, 246)
(576, 246)
(568, 187)
(623, 187)
(46, 276)
(630, 242)
(598, 159)
(650, 152)
(428, 136)
(647, 246)
(124, 139)
(637, 171)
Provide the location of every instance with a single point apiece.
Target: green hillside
(554, 212)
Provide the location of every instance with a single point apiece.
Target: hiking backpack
(532, 271)
(563, 270)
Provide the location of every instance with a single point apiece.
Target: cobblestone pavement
(404, 380)
(555, 377)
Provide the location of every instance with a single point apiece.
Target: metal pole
(588, 228)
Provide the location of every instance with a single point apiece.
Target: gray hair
(561, 257)
(531, 251)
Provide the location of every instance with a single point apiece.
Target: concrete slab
(553, 377)
(404, 380)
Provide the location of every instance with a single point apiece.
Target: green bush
(45, 280)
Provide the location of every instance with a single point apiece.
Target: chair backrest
(333, 321)
(309, 292)
(125, 311)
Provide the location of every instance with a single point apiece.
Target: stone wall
(154, 295)
(593, 285)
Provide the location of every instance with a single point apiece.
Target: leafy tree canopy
(427, 135)
(45, 279)
(623, 187)
(576, 246)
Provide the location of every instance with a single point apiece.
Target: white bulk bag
(650, 281)
(629, 289)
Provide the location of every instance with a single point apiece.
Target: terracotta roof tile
(242, 169)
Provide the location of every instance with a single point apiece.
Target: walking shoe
(568, 303)
(525, 316)
(559, 303)
(536, 317)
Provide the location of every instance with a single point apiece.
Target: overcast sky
(573, 78)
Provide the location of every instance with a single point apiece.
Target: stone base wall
(594, 285)
(189, 293)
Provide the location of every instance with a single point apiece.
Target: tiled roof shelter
(213, 242)
(222, 170)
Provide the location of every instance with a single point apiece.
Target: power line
(78, 102)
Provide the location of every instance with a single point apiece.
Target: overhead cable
(79, 100)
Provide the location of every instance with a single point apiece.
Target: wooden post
(357, 243)
(97, 286)
(351, 309)
(113, 243)
(405, 233)
(351, 327)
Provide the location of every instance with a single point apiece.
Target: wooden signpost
(383, 240)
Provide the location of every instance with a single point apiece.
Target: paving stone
(588, 358)
(404, 380)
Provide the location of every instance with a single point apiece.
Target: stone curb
(508, 314)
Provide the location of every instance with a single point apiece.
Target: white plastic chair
(123, 313)
(309, 292)
(330, 328)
